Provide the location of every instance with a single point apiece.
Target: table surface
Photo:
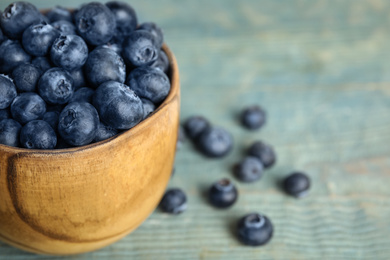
(321, 69)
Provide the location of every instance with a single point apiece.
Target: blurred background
(321, 70)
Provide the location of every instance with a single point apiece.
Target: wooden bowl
(71, 201)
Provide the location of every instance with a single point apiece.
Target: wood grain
(321, 69)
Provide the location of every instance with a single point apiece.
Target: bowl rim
(172, 95)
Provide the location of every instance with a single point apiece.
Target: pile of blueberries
(253, 229)
(72, 78)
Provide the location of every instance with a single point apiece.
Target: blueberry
(26, 77)
(114, 46)
(12, 55)
(223, 194)
(78, 123)
(149, 107)
(2, 37)
(56, 86)
(83, 95)
(38, 38)
(27, 107)
(155, 31)
(118, 106)
(51, 117)
(42, 63)
(64, 27)
(59, 13)
(78, 78)
(195, 125)
(181, 137)
(17, 17)
(215, 142)
(5, 114)
(253, 117)
(9, 132)
(95, 23)
(297, 184)
(249, 170)
(125, 16)
(150, 83)
(104, 65)
(254, 229)
(38, 134)
(174, 201)
(104, 132)
(69, 52)
(162, 62)
(264, 152)
(7, 91)
(139, 49)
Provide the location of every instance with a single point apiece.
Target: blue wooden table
(322, 71)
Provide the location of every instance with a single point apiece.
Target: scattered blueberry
(5, 114)
(139, 48)
(38, 134)
(254, 229)
(9, 132)
(69, 52)
(28, 106)
(83, 95)
(26, 77)
(223, 194)
(162, 62)
(64, 27)
(12, 55)
(125, 16)
(78, 123)
(264, 152)
(104, 132)
(253, 117)
(174, 201)
(215, 142)
(42, 63)
(249, 170)
(59, 13)
(78, 78)
(150, 83)
(38, 38)
(297, 184)
(149, 107)
(195, 126)
(155, 30)
(56, 86)
(51, 117)
(95, 23)
(118, 106)
(104, 65)
(7, 91)
(17, 17)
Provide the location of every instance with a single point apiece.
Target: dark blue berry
(104, 65)
(38, 134)
(69, 52)
(215, 142)
(223, 194)
(139, 49)
(174, 201)
(56, 86)
(38, 39)
(83, 95)
(125, 16)
(26, 77)
(253, 117)
(27, 107)
(254, 229)
(42, 63)
(264, 152)
(118, 106)
(7, 91)
(12, 55)
(195, 125)
(150, 83)
(162, 62)
(17, 17)
(78, 123)
(249, 170)
(149, 107)
(114, 46)
(59, 13)
(51, 117)
(104, 132)
(9, 132)
(297, 184)
(155, 30)
(64, 27)
(5, 114)
(95, 23)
